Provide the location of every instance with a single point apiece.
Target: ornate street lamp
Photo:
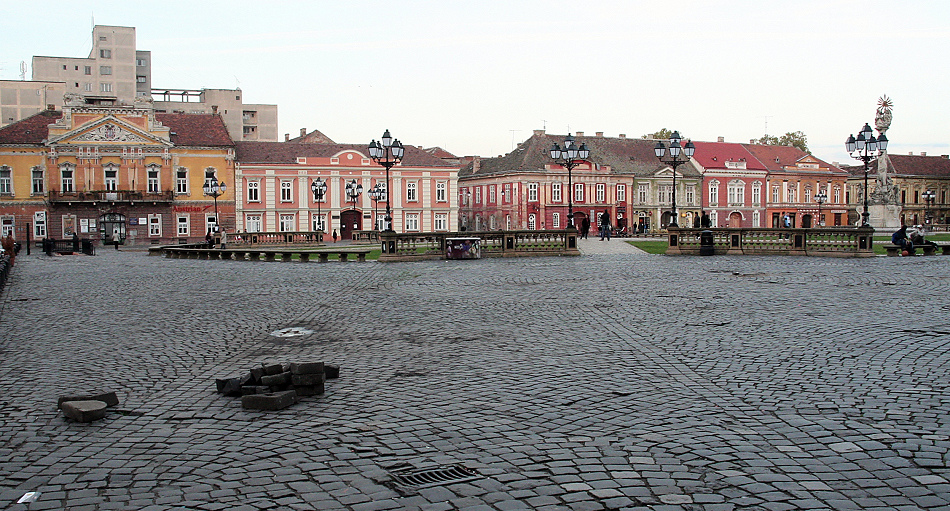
(319, 189)
(820, 197)
(929, 197)
(387, 152)
(353, 191)
(569, 157)
(676, 156)
(863, 148)
(376, 194)
(215, 188)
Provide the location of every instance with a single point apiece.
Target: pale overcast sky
(475, 77)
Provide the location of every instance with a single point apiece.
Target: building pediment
(109, 130)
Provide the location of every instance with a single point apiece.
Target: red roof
(32, 130)
(196, 129)
(920, 165)
(776, 157)
(714, 155)
(288, 152)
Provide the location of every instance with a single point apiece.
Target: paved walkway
(606, 381)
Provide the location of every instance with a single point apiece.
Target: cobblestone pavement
(614, 380)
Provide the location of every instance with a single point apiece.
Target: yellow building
(93, 170)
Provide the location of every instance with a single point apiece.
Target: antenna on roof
(767, 123)
(22, 70)
(513, 138)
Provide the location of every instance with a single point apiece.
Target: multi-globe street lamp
(863, 148)
(353, 191)
(319, 189)
(570, 156)
(821, 197)
(376, 194)
(929, 197)
(215, 188)
(675, 156)
(387, 152)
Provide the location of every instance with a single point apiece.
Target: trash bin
(706, 243)
(462, 248)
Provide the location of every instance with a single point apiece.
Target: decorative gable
(109, 130)
(110, 133)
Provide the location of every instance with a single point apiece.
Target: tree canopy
(663, 134)
(794, 139)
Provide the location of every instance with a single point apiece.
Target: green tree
(663, 134)
(794, 139)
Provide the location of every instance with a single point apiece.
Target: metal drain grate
(424, 478)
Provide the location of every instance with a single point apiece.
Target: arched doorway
(110, 223)
(349, 221)
(579, 222)
(735, 219)
(806, 221)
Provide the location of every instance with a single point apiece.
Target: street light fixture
(821, 197)
(929, 196)
(570, 156)
(676, 156)
(862, 148)
(319, 189)
(387, 152)
(215, 188)
(376, 194)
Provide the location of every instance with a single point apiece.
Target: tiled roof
(314, 137)
(776, 157)
(438, 152)
(630, 156)
(907, 165)
(287, 152)
(714, 155)
(32, 130)
(204, 130)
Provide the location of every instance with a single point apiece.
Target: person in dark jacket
(900, 238)
(585, 228)
(605, 226)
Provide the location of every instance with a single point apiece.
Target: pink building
(734, 184)
(274, 181)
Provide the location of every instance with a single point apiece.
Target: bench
(929, 250)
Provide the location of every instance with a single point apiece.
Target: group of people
(908, 240)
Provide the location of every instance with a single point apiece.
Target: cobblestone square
(614, 380)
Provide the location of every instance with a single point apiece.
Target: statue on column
(884, 192)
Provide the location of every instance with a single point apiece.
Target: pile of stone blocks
(277, 386)
(87, 407)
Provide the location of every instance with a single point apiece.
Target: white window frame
(153, 183)
(253, 191)
(67, 174)
(532, 222)
(506, 194)
(556, 192)
(532, 192)
(181, 183)
(713, 193)
(253, 223)
(412, 191)
(155, 225)
(39, 224)
(110, 184)
(621, 193)
(183, 223)
(38, 186)
(441, 191)
(286, 191)
(210, 172)
(643, 191)
(6, 180)
(412, 222)
(691, 194)
(555, 220)
(441, 222)
(318, 222)
(756, 194)
(578, 192)
(736, 193)
(493, 194)
(105, 70)
(288, 223)
(7, 225)
(478, 195)
(601, 191)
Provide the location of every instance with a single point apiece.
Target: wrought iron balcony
(129, 196)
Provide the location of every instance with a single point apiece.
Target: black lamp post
(376, 194)
(319, 189)
(821, 197)
(570, 156)
(862, 148)
(215, 189)
(353, 191)
(929, 197)
(676, 156)
(387, 152)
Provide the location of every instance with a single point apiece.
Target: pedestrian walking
(705, 222)
(605, 226)
(224, 239)
(334, 235)
(585, 227)
(209, 239)
(116, 238)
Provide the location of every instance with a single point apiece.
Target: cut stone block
(307, 368)
(307, 379)
(276, 380)
(255, 389)
(332, 371)
(232, 386)
(84, 411)
(109, 398)
(272, 369)
(256, 374)
(309, 390)
(270, 401)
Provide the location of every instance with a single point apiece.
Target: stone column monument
(884, 206)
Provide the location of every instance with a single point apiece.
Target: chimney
(598, 133)
(580, 134)
(286, 137)
(303, 131)
(539, 133)
(51, 107)
(945, 156)
(623, 136)
(721, 139)
(476, 164)
(922, 153)
(910, 153)
(752, 141)
(214, 109)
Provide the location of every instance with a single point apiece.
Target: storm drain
(425, 478)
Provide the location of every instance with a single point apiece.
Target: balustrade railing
(409, 246)
(251, 239)
(110, 196)
(825, 241)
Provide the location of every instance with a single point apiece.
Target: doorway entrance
(735, 219)
(109, 224)
(350, 221)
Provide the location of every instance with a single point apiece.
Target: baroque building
(92, 170)
(911, 179)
